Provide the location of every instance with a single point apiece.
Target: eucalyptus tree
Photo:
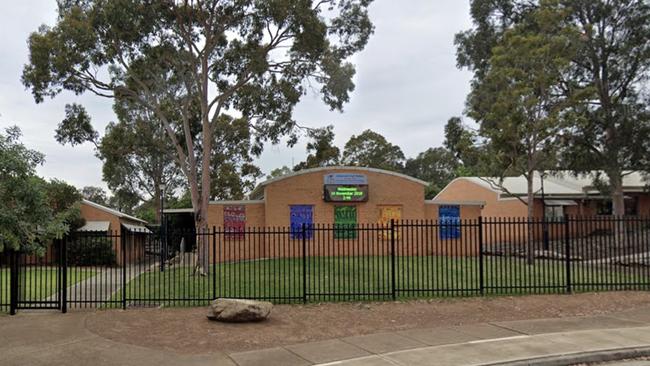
(521, 102)
(613, 60)
(491, 19)
(321, 149)
(608, 128)
(95, 194)
(253, 58)
(371, 149)
(138, 160)
(467, 147)
(435, 165)
(233, 172)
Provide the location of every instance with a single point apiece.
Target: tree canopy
(95, 194)
(252, 57)
(603, 81)
(521, 100)
(320, 149)
(279, 172)
(372, 150)
(32, 210)
(613, 61)
(244, 55)
(437, 166)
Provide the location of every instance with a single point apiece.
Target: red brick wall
(307, 189)
(134, 243)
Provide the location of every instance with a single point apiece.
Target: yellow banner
(388, 213)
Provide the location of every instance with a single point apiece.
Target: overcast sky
(407, 86)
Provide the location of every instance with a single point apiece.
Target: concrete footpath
(56, 339)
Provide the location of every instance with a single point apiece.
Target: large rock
(239, 311)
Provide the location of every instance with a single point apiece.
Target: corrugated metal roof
(177, 210)
(454, 203)
(137, 228)
(560, 203)
(95, 226)
(560, 184)
(518, 186)
(632, 180)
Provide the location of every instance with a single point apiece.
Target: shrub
(90, 250)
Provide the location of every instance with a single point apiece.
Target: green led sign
(346, 193)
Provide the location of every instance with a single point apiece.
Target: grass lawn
(369, 278)
(39, 283)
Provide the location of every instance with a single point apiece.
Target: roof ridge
(112, 211)
(339, 167)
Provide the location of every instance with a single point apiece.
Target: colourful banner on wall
(345, 222)
(301, 216)
(449, 217)
(386, 214)
(234, 221)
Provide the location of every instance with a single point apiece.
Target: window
(632, 206)
(301, 215)
(234, 221)
(604, 207)
(345, 222)
(554, 213)
(449, 217)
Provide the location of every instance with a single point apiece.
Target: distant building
(564, 194)
(125, 231)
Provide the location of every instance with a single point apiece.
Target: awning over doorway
(137, 229)
(560, 203)
(95, 226)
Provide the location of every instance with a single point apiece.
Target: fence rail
(405, 259)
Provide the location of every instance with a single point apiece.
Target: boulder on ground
(239, 311)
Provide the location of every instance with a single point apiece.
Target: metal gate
(37, 280)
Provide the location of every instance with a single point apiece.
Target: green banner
(345, 222)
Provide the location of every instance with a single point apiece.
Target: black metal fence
(406, 259)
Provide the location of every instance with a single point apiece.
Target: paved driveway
(102, 286)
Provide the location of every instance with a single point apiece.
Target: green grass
(39, 283)
(357, 278)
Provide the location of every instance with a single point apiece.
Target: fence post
(304, 263)
(123, 244)
(481, 275)
(567, 252)
(13, 282)
(214, 262)
(162, 237)
(393, 281)
(63, 262)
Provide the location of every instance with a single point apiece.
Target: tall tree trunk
(202, 265)
(203, 242)
(201, 203)
(156, 202)
(530, 248)
(618, 197)
(618, 205)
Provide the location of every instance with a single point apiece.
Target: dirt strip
(186, 330)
